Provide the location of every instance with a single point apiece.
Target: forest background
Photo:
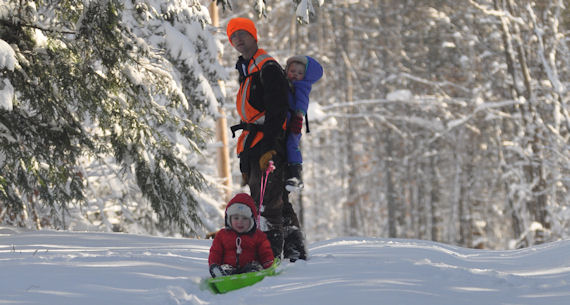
(441, 120)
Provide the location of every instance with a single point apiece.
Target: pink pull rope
(264, 178)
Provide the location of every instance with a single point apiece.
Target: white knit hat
(240, 209)
(298, 58)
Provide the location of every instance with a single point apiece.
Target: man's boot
(294, 244)
(295, 181)
(294, 248)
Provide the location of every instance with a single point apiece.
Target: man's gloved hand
(296, 123)
(265, 158)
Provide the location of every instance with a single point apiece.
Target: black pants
(272, 200)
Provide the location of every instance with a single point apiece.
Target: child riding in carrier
(302, 72)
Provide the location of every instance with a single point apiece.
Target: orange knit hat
(240, 23)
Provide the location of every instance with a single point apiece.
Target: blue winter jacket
(300, 101)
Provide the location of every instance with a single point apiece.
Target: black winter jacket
(269, 95)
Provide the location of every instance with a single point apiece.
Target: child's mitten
(296, 124)
(223, 270)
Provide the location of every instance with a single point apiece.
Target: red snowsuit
(254, 244)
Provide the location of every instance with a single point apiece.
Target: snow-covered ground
(51, 267)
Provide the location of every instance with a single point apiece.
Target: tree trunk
(223, 154)
(353, 222)
(390, 193)
(533, 169)
(435, 202)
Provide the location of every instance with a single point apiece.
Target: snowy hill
(49, 267)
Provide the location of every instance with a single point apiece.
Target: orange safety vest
(248, 113)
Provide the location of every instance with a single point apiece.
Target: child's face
(239, 223)
(296, 71)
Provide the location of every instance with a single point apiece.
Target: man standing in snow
(262, 105)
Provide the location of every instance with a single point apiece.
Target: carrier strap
(244, 155)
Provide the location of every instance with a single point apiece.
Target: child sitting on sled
(302, 72)
(240, 247)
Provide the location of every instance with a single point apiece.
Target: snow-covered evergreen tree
(121, 88)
